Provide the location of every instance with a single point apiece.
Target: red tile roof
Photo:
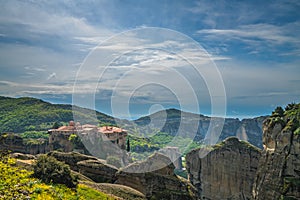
(110, 129)
(103, 129)
(89, 126)
(66, 128)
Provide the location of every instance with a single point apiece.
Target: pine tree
(128, 145)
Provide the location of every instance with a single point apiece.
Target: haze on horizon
(255, 46)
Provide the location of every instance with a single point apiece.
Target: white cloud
(266, 35)
(50, 42)
(38, 69)
(36, 22)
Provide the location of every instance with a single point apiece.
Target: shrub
(35, 134)
(4, 155)
(50, 170)
(291, 106)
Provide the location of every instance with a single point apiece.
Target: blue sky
(254, 44)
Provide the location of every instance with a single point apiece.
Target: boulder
(97, 170)
(155, 178)
(23, 156)
(71, 158)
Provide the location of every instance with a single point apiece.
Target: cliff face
(227, 172)
(278, 176)
(155, 178)
(15, 143)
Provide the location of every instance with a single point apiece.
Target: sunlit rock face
(278, 176)
(226, 172)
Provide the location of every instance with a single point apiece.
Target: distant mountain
(26, 113)
(173, 120)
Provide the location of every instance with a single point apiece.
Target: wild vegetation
(288, 117)
(17, 183)
(50, 170)
(143, 147)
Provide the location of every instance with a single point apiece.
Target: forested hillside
(28, 114)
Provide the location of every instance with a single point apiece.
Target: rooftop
(110, 129)
(89, 127)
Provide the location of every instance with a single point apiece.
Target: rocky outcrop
(226, 172)
(60, 141)
(278, 176)
(97, 171)
(71, 158)
(116, 190)
(15, 143)
(89, 166)
(155, 178)
(23, 156)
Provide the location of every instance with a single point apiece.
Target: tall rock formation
(226, 172)
(278, 176)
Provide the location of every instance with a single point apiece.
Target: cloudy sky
(202, 55)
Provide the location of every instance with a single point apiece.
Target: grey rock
(226, 172)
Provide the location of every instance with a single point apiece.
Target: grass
(121, 191)
(17, 183)
(85, 192)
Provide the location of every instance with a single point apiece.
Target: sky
(128, 58)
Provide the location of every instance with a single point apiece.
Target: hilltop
(28, 114)
(246, 129)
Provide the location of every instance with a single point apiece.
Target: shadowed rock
(156, 179)
(89, 166)
(97, 171)
(71, 158)
(226, 172)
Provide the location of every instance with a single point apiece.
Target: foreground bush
(50, 170)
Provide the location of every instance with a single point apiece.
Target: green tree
(50, 170)
(128, 145)
(278, 111)
(290, 106)
(56, 125)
